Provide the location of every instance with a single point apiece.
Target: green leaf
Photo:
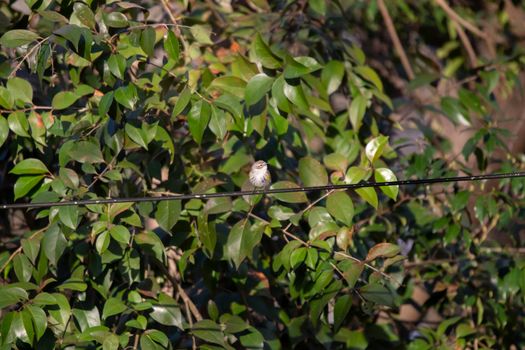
(374, 148)
(206, 233)
(355, 174)
(257, 88)
(351, 271)
(43, 60)
(297, 257)
(233, 324)
(312, 173)
(127, 96)
(208, 331)
(151, 243)
(84, 15)
(341, 207)
(120, 234)
(23, 268)
(105, 103)
(386, 175)
(377, 293)
(172, 46)
(64, 99)
(318, 6)
(443, 326)
(463, 330)
(219, 122)
(311, 258)
(73, 284)
(6, 98)
(300, 66)
(357, 110)
(4, 130)
(233, 85)
(54, 243)
(455, 111)
(102, 242)
(341, 309)
(290, 197)
(382, 250)
(182, 102)
(198, 119)
(201, 33)
(336, 161)
(39, 319)
(69, 215)
(137, 135)
(321, 282)
(11, 295)
(296, 95)
(30, 166)
(261, 53)
(117, 65)
(20, 89)
(113, 306)
(44, 299)
(86, 152)
(332, 75)
(147, 41)
(18, 123)
(111, 342)
(369, 195)
(370, 75)
(30, 248)
(25, 184)
(252, 340)
(116, 19)
(17, 37)
(234, 243)
(167, 312)
(167, 214)
(279, 96)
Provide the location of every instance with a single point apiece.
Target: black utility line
(268, 191)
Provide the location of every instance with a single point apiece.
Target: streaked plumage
(259, 174)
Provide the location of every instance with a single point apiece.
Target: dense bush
(120, 99)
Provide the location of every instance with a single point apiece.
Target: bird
(259, 175)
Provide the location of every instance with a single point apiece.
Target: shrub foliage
(118, 99)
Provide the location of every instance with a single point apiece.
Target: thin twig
(26, 56)
(19, 249)
(108, 167)
(32, 108)
(509, 250)
(310, 206)
(395, 39)
(466, 44)
(454, 16)
(375, 269)
(173, 19)
(174, 279)
(136, 342)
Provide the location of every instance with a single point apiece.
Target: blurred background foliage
(147, 98)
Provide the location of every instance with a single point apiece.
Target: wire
(268, 191)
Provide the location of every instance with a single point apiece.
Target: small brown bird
(259, 175)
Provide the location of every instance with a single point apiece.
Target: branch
(455, 17)
(466, 44)
(395, 39)
(175, 278)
